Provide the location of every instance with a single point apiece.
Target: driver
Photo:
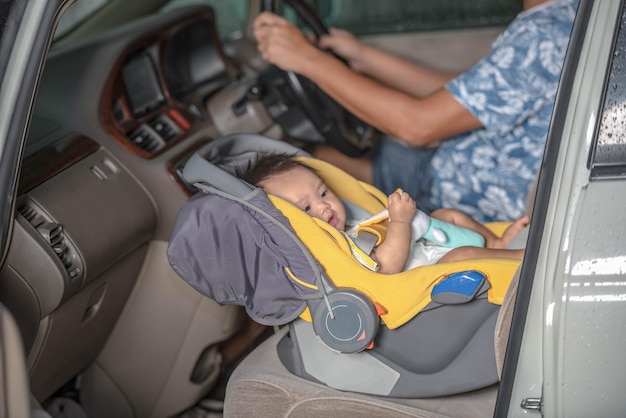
(472, 141)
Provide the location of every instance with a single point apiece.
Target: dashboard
(115, 118)
(154, 95)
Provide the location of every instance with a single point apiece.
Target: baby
(292, 180)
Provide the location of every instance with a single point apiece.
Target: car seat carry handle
(199, 171)
(215, 163)
(345, 319)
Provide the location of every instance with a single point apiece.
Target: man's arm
(418, 122)
(390, 70)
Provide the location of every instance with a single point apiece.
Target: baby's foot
(511, 232)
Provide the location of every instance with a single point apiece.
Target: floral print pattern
(487, 173)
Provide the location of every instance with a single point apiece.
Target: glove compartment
(78, 245)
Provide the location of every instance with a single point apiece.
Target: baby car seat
(420, 333)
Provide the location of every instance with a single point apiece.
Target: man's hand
(283, 44)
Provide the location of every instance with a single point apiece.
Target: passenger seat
(15, 398)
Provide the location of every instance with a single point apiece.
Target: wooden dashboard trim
(52, 159)
(114, 89)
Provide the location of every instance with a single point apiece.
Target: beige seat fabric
(16, 400)
(14, 392)
(262, 387)
(503, 324)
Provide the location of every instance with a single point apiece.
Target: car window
(10, 17)
(363, 17)
(8, 30)
(609, 157)
(232, 14)
(77, 14)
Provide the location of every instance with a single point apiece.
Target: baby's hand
(401, 207)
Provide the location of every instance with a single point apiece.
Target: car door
(564, 356)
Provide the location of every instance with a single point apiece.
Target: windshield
(76, 14)
(231, 14)
(91, 16)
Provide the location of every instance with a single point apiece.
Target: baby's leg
(461, 219)
(446, 215)
(473, 253)
(509, 233)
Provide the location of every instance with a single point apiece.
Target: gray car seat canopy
(235, 251)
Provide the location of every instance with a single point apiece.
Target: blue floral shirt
(487, 173)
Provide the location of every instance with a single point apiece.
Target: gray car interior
(95, 304)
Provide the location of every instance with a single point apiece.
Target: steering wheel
(302, 109)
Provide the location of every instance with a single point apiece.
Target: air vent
(31, 215)
(147, 138)
(54, 236)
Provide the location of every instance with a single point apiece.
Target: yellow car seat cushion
(404, 294)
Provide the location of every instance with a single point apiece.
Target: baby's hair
(265, 166)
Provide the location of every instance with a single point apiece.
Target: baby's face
(303, 188)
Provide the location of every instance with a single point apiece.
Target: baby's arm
(393, 253)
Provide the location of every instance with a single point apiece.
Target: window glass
(230, 15)
(363, 17)
(609, 158)
(8, 30)
(5, 7)
(77, 14)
